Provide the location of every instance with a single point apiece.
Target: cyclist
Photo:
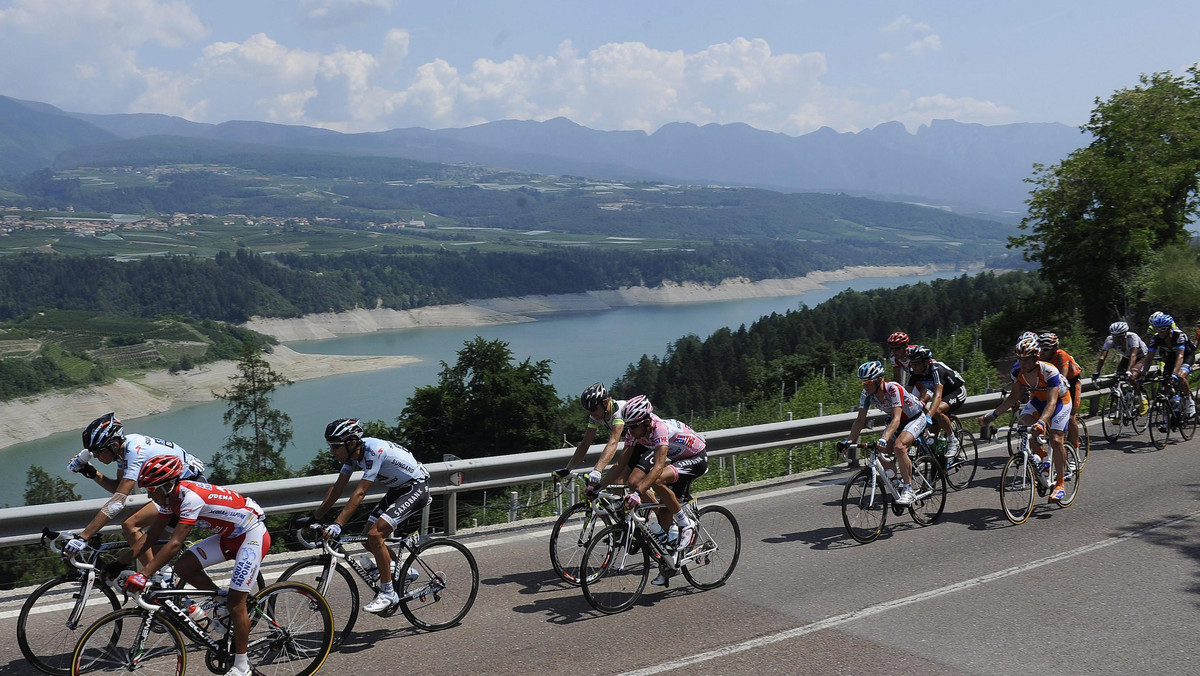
(907, 421)
(1130, 346)
(103, 439)
(390, 464)
(1048, 408)
(604, 411)
(898, 344)
(239, 532)
(1177, 353)
(665, 455)
(942, 386)
(1068, 368)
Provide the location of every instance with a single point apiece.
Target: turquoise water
(583, 347)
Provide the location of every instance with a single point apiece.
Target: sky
(790, 67)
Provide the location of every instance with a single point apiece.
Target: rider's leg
(900, 449)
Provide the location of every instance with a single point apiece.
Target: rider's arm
(937, 399)
(582, 449)
(660, 461)
(610, 447)
(856, 428)
(889, 434)
(335, 492)
(1018, 391)
(1180, 352)
(111, 509)
(1103, 358)
(166, 552)
(623, 461)
(352, 504)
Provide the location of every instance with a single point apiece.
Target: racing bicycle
(870, 494)
(1026, 474)
(576, 527)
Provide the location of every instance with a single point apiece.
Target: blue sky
(792, 67)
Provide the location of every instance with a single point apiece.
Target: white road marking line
(846, 618)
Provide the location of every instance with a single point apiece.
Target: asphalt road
(1107, 586)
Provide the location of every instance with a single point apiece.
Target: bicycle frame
(1025, 450)
(334, 554)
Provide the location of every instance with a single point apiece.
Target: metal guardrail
(23, 525)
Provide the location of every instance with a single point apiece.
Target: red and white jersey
(891, 395)
(681, 441)
(213, 508)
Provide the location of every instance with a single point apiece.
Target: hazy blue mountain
(969, 167)
(30, 138)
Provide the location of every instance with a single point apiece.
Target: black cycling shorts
(400, 503)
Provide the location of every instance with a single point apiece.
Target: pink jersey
(889, 396)
(681, 441)
(213, 508)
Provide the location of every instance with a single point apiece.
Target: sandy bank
(36, 417)
(488, 311)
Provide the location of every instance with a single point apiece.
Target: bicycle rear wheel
(1159, 422)
(44, 632)
(1112, 417)
(1073, 476)
(864, 507)
(930, 487)
(114, 643)
(341, 592)
(715, 551)
(291, 630)
(960, 469)
(613, 574)
(1187, 426)
(572, 532)
(1017, 489)
(1085, 443)
(444, 587)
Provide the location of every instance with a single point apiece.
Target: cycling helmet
(637, 410)
(1161, 320)
(342, 430)
(593, 396)
(918, 352)
(101, 432)
(1117, 328)
(1028, 347)
(871, 370)
(897, 339)
(1027, 334)
(1048, 341)
(160, 470)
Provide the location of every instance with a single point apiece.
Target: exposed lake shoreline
(31, 418)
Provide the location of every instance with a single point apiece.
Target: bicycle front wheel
(1074, 462)
(444, 586)
(45, 631)
(1017, 488)
(613, 573)
(715, 551)
(1085, 443)
(864, 507)
(570, 537)
(115, 643)
(291, 630)
(1160, 422)
(1187, 426)
(960, 469)
(340, 592)
(930, 488)
(1112, 417)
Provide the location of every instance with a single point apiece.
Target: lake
(583, 347)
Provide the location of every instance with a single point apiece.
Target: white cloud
(319, 14)
(920, 36)
(929, 43)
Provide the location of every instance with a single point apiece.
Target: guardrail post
(425, 517)
(513, 505)
(451, 513)
(571, 493)
(733, 470)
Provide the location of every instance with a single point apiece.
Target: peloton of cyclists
(907, 421)
(239, 532)
(1048, 408)
(943, 388)
(389, 464)
(1177, 353)
(104, 439)
(1130, 346)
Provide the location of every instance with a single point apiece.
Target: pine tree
(254, 449)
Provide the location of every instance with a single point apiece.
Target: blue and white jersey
(387, 463)
(139, 448)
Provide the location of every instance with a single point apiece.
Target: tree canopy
(1096, 217)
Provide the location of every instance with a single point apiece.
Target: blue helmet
(871, 370)
(1161, 320)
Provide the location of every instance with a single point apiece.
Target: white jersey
(139, 448)
(612, 419)
(387, 463)
(889, 397)
(1133, 344)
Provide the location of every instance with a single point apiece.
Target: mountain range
(968, 168)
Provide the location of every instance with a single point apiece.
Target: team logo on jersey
(220, 496)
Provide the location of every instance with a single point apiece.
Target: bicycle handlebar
(323, 542)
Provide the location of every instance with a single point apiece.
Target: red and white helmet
(160, 470)
(898, 339)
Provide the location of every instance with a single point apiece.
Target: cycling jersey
(681, 441)
(1044, 383)
(889, 396)
(613, 417)
(901, 363)
(937, 373)
(1170, 345)
(1132, 345)
(139, 448)
(387, 463)
(1066, 365)
(214, 508)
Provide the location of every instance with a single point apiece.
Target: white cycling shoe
(382, 602)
